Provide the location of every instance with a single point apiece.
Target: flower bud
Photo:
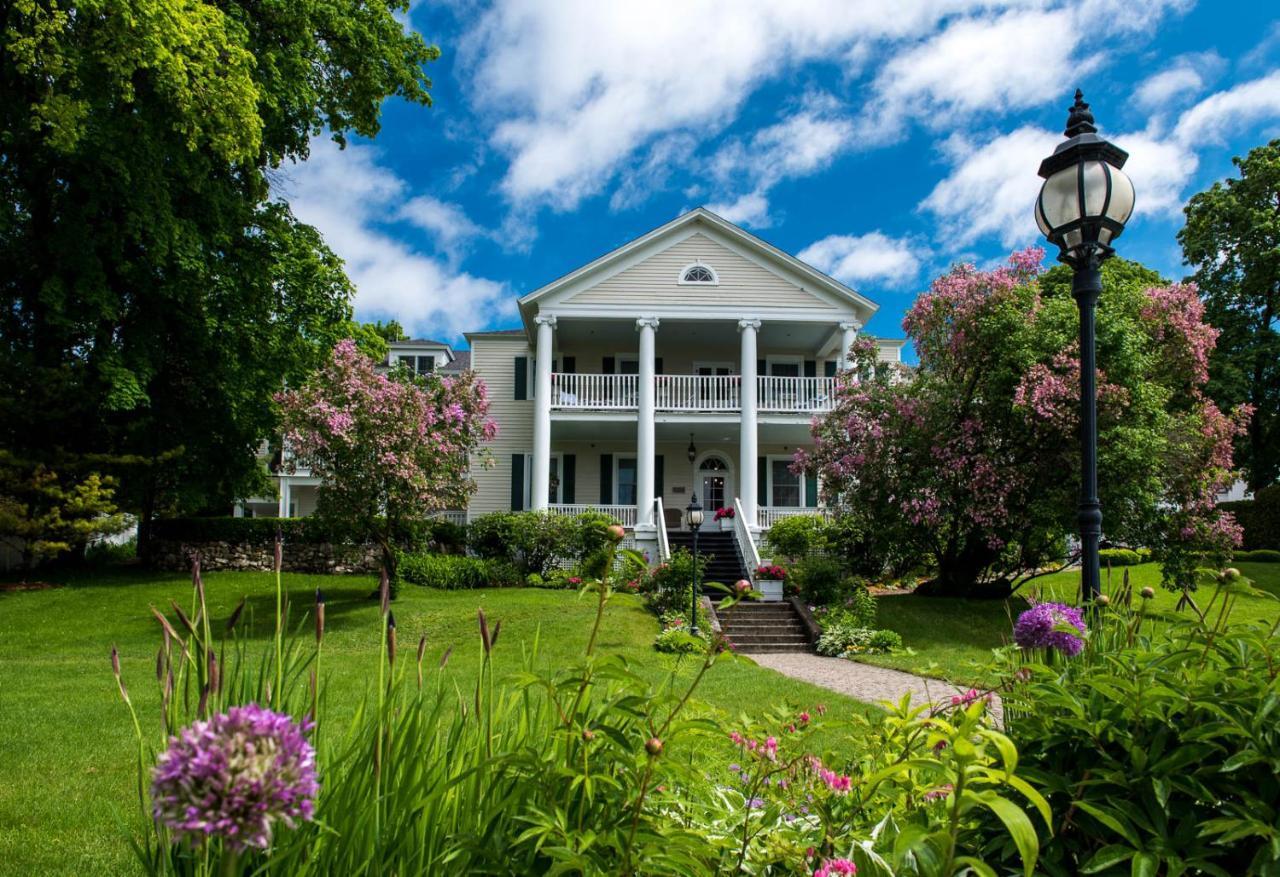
(1231, 574)
(588, 735)
(1103, 600)
(615, 532)
(653, 746)
(741, 586)
(1147, 593)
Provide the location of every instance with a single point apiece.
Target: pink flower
(833, 867)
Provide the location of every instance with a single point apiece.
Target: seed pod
(213, 673)
(235, 615)
(182, 617)
(391, 637)
(497, 628)
(444, 659)
(164, 623)
(319, 615)
(484, 631)
(384, 591)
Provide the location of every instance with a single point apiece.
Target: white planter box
(726, 524)
(770, 590)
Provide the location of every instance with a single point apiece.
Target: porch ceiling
(781, 430)
(675, 333)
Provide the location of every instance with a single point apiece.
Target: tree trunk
(962, 574)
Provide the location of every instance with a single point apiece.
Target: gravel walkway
(862, 681)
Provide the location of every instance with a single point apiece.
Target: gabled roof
(703, 217)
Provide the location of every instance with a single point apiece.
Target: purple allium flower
(234, 774)
(1035, 628)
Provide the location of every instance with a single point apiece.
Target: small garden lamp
(1083, 206)
(695, 518)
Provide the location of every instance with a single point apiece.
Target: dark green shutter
(811, 490)
(517, 482)
(606, 479)
(657, 365)
(569, 365)
(522, 378)
(657, 476)
(810, 368)
(762, 367)
(567, 478)
(762, 481)
(829, 368)
(607, 365)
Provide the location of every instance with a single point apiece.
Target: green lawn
(66, 743)
(953, 639)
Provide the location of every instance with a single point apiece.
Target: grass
(66, 743)
(953, 639)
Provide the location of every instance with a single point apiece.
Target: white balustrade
(453, 516)
(776, 393)
(747, 548)
(697, 392)
(623, 514)
(767, 516)
(599, 392)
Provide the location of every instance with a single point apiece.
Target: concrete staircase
(720, 546)
(765, 627)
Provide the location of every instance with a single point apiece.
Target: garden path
(863, 681)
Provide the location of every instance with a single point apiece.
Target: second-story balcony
(691, 393)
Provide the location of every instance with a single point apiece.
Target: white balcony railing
(767, 516)
(598, 392)
(775, 393)
(453, 516)
(697, 392)
(624, 514)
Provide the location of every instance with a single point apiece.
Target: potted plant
(724, 517)
(769, 581)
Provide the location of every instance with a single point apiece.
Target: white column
(286, 494)
(645, 445)
(748, 448)
(849, 334)
(541, 482)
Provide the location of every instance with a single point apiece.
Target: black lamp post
(1083, 206)
(694, 518)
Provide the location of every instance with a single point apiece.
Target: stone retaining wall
(298, 557)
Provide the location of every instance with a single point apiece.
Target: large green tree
(155, 295)
(1232, 239)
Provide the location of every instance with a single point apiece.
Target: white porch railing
(625, 514)
(660, 518)
(453, 516)
(775, 393)
(767, 516)
(599, 392)
(746, 545)
(697, 392)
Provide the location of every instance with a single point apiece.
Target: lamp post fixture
(1083, 206)
(695, 518)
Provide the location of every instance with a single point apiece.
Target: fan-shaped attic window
(697, 273)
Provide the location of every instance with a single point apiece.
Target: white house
(688, 361)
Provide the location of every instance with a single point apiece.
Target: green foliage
(43, 515)
(846, 639)
(456, 572)
(820, 580)
(156, 293)
(1259, 555)
(857, 610)
(1260, 518)
(1156, 741)
(797, 536)
(1120, 557)
(107, 553)
(538, 541)
(1231, 238)
(670, 584)
(678, 641)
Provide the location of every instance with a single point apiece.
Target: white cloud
(448, 226)
(1186, 77)
(751, 209)
(572, 89)
(992, 189)
(871, 257)
(348, 196)
(1210, 120)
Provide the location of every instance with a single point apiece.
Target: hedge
(1121, 557)
(310, 531)
(1258, 555)
(1260, 518)
(453, 572)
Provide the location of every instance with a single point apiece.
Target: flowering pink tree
(389, 448)
(972, 464)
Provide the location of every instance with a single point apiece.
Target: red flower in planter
(771, 571)
(726, 512)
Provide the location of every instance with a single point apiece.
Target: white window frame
(556, 456)
(773, 359)
(714, 281)
(617, 460)
(768, 477)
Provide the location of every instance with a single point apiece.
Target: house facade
(688, 362)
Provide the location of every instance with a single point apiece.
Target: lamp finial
(1080, 119)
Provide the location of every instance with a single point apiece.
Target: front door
(713, 493)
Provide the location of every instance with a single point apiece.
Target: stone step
(749, 649)
(764, 629)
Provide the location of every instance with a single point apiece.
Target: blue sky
(880, 140)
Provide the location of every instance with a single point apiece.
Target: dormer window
(698, 273)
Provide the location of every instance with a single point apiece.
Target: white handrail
(776, 393)
(770, 515)
(746, 545)
(624, 514)
(601, 392)
(659, 518)
(697, 392)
